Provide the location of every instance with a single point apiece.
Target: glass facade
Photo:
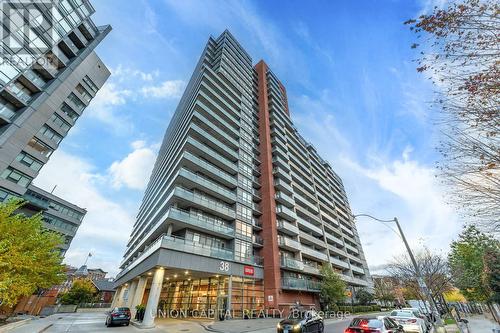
(196, 297)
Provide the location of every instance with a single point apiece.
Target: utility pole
(420, 279)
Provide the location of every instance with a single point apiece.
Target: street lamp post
(420, 279)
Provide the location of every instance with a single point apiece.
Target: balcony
(309, 226)
(291, 263)
(257, 240)
(215, 207)
(306, 203)
(281, 185)
(256, 222)
(279, 172)
(183, 245)
(300, 284)
(278, 161)
(34, 79)
(18, 94)
(199, 222)
(351, 248)
(287, 228)
(313, 253)
(6, 113)
(284, 199)
(339, 263)
(312, 269)
(194, 163)
(357, 269)
(334, 239)
(209, 186)
(277, 151)
(288, 243)
(219, 160)
(310, 239)
(286, 213)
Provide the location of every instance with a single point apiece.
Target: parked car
(118, 316)
(409, 320)
(301, 322)
(421, 315)
(375, 324)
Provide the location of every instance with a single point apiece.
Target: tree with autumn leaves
(474, 262)
(29, 257)
(459, 52)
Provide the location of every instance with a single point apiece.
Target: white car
(409, 320)
(420, 313)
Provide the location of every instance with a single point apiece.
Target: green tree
(332, 287)
(364, 297)
(467, 260)
(29, 258)
(81, 291)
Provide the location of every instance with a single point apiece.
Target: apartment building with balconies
(240, 212)
(49, 74)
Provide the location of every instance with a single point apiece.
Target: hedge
(359, 308)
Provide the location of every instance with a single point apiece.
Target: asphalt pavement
(94, 322)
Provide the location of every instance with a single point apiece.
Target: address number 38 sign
(224, 266)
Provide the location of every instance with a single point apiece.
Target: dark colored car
(118, 316)
(301, 322)
(373, 324)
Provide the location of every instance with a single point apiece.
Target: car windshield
(366, 322)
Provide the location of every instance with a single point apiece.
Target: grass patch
(449, 321)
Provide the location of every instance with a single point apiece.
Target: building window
(78, 102)
(90, 84)
(50, 133)
(69, 111)
(243, 229)
(242, 250)
(59, 122)
(16, 177)
(29, 161)
(4, 195)
(85, 94)
(40, 147)
(243, 212)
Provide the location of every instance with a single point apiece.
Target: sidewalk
(480, 324)
(36, 325)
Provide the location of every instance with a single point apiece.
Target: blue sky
(353, 93)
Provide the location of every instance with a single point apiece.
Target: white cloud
(166, 89)
(122, 73)
(134, 170)
(107, 225)
(410, 191)
(104, 107)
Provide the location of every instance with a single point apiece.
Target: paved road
(94, 322)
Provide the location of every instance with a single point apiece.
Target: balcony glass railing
(207, 183)
(6, 113)
(287, 227)
(18, 93)
(211, 168)
(204, 201)
(300, 284)
(184, 245)
(200, 220)
(314, 253)
(34, 78)
(291, 263)
(288, 242)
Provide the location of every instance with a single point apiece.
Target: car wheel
(321, 328)
(128, 323)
